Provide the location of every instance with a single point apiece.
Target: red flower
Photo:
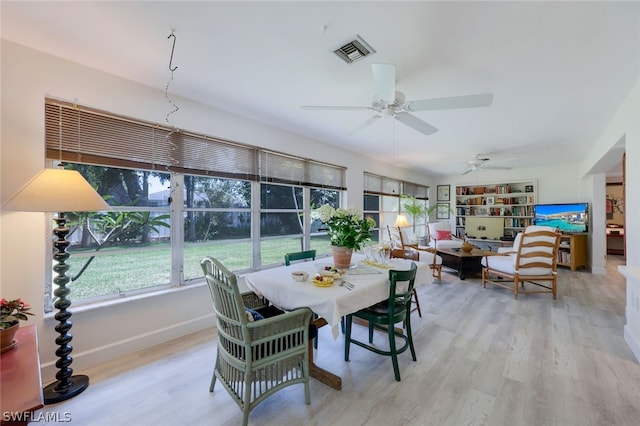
(12, 311)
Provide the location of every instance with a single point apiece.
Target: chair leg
(315, 341)
(436, 272)
(213, 376)
(415, 296)
(410, 337)
(370, 332)
(392, 348)
(347, 336)
(213, 382)
(307, 374)
(246, 403)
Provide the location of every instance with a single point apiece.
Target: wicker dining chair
(257, 355)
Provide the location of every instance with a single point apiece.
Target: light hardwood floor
(483, 358)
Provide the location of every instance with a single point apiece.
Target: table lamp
(59, 190)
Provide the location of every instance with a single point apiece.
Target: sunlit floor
(483, 358)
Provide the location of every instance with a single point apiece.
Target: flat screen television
(568, 218)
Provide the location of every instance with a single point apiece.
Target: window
(150, 239)
(217, 222)
(282, 221)
(110, 248)
(383, 202)
(319, 240)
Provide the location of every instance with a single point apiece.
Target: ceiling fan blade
(364, 125)
(468, 101)
(496, 168)
(337, 108)
(415, 123)
(466, 171)
(385, 79)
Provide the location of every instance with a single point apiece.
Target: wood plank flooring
(483, 359)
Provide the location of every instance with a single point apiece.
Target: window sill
(91, 306)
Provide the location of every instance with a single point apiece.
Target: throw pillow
(253, 315)
(443, 235)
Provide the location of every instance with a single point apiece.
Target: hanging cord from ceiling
(172, 145)
(393, 158)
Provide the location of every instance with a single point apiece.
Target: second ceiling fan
(482, 162)
(389, 103)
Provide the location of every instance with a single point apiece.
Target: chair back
(401, 285)
(227, 300)
(538, 251)
(300, 255)
(394, 237)
(398, 237)
(434, 227)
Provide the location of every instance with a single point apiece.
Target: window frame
(79, 134)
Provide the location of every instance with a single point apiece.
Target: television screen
(568, 218)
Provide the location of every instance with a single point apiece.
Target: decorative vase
(466, 246)
(341, 257)
(6, 337)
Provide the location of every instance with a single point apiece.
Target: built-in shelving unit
(511, 201)
(573, 251)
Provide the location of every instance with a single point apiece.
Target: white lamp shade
(57, 190)
(401, 221)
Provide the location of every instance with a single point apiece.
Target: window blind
(381, 185)
(281, 168)
(85, 135)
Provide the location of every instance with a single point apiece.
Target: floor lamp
(59, 190)
(401, 221)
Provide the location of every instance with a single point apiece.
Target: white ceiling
(558, 70)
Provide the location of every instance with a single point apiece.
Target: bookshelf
(510, 201)
(573, 251)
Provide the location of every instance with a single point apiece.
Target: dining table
(364, 284)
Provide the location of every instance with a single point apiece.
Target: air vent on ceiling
(354, 50)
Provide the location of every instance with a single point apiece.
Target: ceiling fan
(481, 162)
(389, 103)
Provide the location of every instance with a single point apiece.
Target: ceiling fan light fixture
(354, 50)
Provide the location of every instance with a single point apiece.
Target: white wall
(117, 328)
(625, 126)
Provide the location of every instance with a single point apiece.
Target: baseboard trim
(99, 355)
(633, 342)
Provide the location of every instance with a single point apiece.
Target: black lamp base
(52, 396)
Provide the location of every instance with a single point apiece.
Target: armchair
(426, 254)
(534, 261)
(256, 356)
(440, 236)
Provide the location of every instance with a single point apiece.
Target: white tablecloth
(330, 303)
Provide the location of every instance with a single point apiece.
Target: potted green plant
(415, 209)
(11, 313)
(347, 231)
